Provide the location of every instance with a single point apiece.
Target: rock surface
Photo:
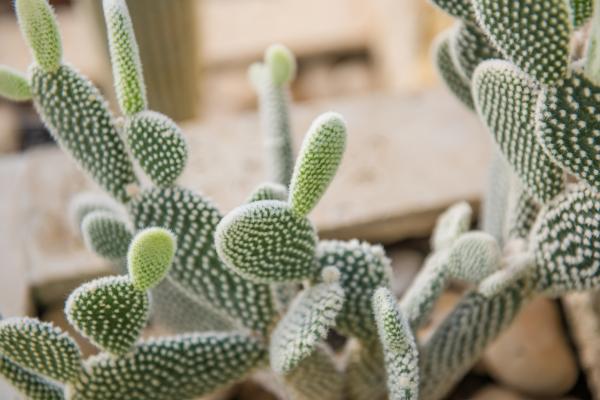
(533, 355)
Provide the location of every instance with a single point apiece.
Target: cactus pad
(471, 47)
(150, 256)
(474, 256)
(14, 85)
(31, 385)
(106, 234)
(451, 224)
(449, 71)
(268, 191)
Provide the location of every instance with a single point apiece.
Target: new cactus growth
(256, 289)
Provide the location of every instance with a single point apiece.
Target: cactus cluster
(256, 289)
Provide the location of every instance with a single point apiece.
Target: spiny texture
(316, 377)
(283, 294)
(365, 372)
(78, 118)
(318, 161)
(474, 256)
(506, 102)
(31, 385)
(158, 145)
(196, 266)
(458, 342)
(305, 325)
(179, 312)
(266, 242)
(40, 347)
(124, 54)
(269, 82)
(518, 268)
(110, 312)
(179, 367)
(568, 126)
(363, 268)
(451, 224)
(535, 35)
(14, 85)
(449, 71)
(471, 47)
(457, 8)
(268, 191)
(523, 214)
(399, 347)
(420, 298)
(39, 27)
(495, 201)
(566, 243)
(87, 202)
(106, 234)
(150, 256)
(581, 11)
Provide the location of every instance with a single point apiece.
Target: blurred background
(413, 151)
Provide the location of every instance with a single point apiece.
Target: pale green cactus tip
(306, 324)
(447, 68)
(399, 347)
(124, 54)
(159, 146)
(565, 243)
(362, 268)
(282, 64)
(318, 161)
(14, 85)
(110, 312)
(451, 224)
(268, 191)
(40, 29)
(178, 367)
(266, 242)
(41, 348)
(474, 256)
(106, 234)
(571, 141)
(515, 28)
(512, 123)
(150, 256)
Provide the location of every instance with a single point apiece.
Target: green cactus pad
(275, 123)
(179, 367)
(365, 372)
(31, 385)
(281, 63)
(268, 191)
(457, 8)
(458, 343)
(316, 377)
(84, 203)
(14, 85)
(420, 298)
(506, 101)
(196, 267)
(449, 72)
(451, 224)
(533, 35)
(110, 312)
(522, 215)
(39, 27)
(568, 126)
(88, 133)
(399, 347)
(581, 11)
(363, 268)
(125, 57)
(318, 161)
(305, 325)
(150, 256)
(106, 234)
(266, 242)
(283, 294)
(565, 242)
(40, 347)
(474, 256)
(471, 47)
(158, 145)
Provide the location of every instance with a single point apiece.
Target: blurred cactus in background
(257, 289)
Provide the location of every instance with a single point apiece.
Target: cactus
(256, 290)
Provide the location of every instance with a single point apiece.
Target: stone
(533, 355)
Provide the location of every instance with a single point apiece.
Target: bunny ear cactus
(471, 47)
(106, 234)
(31, 385)
(150, 256)
(268, 191)
(316, 377)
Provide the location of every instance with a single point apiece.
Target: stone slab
(409, 156)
